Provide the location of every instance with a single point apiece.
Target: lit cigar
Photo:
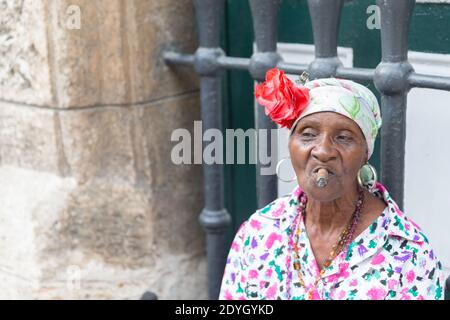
(322, 178)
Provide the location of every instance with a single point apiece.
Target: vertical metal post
(391, 79)
(447, 289)
(265, 25)
(214, 217)
(325, 16)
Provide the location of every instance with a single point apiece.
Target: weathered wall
(91, 205)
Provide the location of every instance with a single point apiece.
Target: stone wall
(91, 204)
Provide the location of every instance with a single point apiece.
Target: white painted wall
(427, 197)
(427, 157)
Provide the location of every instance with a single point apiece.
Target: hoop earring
(367, 176)
(278, 170)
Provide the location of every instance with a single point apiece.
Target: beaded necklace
(343, 242)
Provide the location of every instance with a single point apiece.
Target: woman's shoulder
(274, 210)
(409, 246)
(404, 228)
(267, 221)
(412, 254)
(395, 221)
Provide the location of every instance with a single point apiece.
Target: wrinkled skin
(333, 141)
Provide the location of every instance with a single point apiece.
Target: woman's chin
(330, 192)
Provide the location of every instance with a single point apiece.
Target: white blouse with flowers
(391, 259)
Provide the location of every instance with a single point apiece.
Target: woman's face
(332, 141)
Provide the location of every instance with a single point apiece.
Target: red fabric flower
(283, 101)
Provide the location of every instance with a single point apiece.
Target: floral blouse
(391, 259)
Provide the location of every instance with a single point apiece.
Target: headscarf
(284, 100)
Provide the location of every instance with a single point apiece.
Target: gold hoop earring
(277, 170)
(367, 176)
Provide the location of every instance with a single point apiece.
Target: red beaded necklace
(343, 242)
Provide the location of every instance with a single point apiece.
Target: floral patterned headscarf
(287, 103)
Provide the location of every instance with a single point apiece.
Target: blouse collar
(391, 223)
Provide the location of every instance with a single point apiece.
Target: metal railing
(393, 78)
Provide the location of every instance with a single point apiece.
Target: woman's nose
(324, 150)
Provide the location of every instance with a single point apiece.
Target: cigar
(322, 178)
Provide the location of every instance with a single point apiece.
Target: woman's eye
(307, 134)
(344, 138)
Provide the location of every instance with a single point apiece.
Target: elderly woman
(339, 234)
